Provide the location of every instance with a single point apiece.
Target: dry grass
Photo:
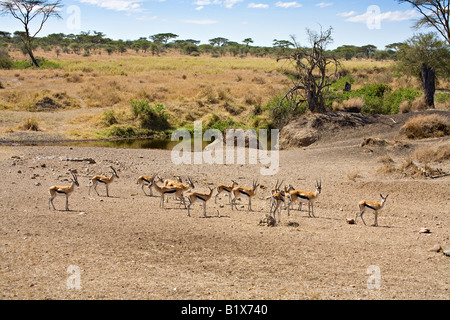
(353, 173)
(190, 88)
(426, 126)
(388, 165)
(29, 124)
(351, 105)
(437, 153)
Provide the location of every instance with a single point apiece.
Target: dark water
(142, 143)
(149, 143)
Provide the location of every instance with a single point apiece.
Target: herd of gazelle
(280, 197)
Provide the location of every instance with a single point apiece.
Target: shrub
(426, 126)
(151, 117)
(5, 60)
(109, 117)
(30, 124)
(353, 104)
(392, 101)
(438, 154)
(124, 131)
(419, 104)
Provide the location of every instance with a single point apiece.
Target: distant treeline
(89, 43)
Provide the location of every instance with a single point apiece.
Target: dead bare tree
(312, 78)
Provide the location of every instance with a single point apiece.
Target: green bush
(442, 97)
(43, 64)
(280, 113)
(373, 95)
(340, 84)
(109, 117)
(5, 60)
(123, 131)
(150, 117)
(392, 101)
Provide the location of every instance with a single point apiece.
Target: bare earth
(127, 247)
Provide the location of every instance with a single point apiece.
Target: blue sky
(354, 22)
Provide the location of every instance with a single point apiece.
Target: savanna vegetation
(155, 84)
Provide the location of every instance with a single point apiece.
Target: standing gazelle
(224, 188)
(304, 196)
(250, 193)
(204, 197)
(178, 191)
(277, 198)
(375, 206)
(145, 181)
(105, 180)
(67, 190)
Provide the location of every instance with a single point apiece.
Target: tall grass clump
(426, 126)
(152, 117)
(30, 124)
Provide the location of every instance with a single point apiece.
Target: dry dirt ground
(126, 247)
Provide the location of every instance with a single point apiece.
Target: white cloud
(390, 16)
(206, 2)
(324, 4)
(346, 14)
(293, 4)
(200, 21)
(231, 3)
(258, 5)
(226, 3)
(116, 5)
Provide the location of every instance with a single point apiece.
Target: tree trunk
(33, 59)
(428, 78)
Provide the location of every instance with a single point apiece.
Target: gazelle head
(153, 179)
(319, 186)
(234, 183)
(255, 185)
(278, 185)
(383, 199)
(75, 179)
(191, 183)
(114, 171)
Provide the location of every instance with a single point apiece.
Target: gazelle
(250, 193)
(168, 190)
(375, 206)
(224, 188)
(179, 184)
(105, 180)
(145, 181)
(277, 198)
(67, 190)
(168, 182)
(304, 196)
(204, 197)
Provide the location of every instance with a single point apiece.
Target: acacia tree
(312, 79)
(435, 14)
(26, 11)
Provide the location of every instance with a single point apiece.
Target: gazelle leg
(95, 188)
(361, 215)
(50, 200)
